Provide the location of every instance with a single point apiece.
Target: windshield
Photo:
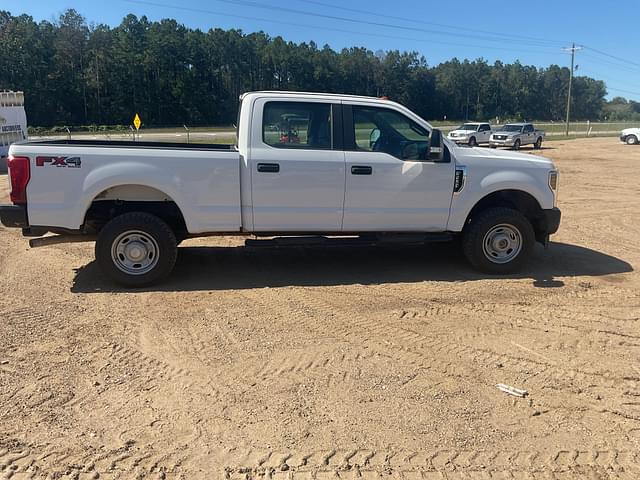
(511, 128)
(468, 126)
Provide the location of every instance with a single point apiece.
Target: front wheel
(538, 144)
(516, 144)
(498, 240)
(473, 142)
(136, 249)
(632, 140)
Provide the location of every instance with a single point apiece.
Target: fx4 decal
(71, 162)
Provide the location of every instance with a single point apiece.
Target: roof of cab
(341, 96)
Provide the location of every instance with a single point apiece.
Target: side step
(367, 240)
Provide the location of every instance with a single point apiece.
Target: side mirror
(436, 147)
(374, 136)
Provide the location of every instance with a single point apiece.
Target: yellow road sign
(137, 122)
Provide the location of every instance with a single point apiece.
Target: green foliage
(75, 74)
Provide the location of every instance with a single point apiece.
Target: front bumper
(463, 140)
(14, 216)
(502, 143)
(549, 221)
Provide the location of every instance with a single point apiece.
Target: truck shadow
(226, 268)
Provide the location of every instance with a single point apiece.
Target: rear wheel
(498, 240)
(538, 144)
(632, 140)
(516, 144)
(473, 142)
(136, 249)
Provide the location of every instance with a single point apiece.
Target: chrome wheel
(135, 252)
(502, 243)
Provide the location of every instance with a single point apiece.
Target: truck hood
(500, 158)
(458, 132)
(628, 131)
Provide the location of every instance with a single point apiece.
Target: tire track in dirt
(515, 317)
(420, 351)
(471, 464)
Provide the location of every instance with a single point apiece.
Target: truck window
(388, 131)
(300, 125)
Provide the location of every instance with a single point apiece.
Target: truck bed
(68, 175)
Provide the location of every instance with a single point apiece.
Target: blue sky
(533, 32)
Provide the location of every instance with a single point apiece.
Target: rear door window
(297, 125)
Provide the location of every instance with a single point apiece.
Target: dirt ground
(335, 363)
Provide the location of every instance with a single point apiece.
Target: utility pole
(573, 49)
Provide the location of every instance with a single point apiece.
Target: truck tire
(498, 240)
(516, 144)
(632, 140)
(538, 144)
(136, 249)
(473, 142)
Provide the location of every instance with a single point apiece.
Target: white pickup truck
(306, 165)
(515, 135)
(471, 134)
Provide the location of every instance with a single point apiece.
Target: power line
(623, 91)
(619, 66)
(421, 22)
(296, 24)
(349, 20)
(623, 60)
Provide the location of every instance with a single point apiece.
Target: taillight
(20, 174)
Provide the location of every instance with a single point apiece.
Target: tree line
(73, 73)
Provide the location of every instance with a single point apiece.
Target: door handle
(361, 170)
(269, 167)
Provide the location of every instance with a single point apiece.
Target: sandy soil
(335, 363)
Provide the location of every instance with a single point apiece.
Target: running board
(373, 239)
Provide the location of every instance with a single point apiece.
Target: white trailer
(13, 120)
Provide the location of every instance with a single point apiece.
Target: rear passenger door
(297, 166)
(484, 132)
(528, 131)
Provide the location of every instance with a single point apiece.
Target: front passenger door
(390, 186)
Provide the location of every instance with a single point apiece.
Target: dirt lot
(335, 363)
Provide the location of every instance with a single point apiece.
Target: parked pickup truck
(305, 165)
(471, 134)
(630, 136)
(515, 135)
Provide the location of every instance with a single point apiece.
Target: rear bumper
(14, 216)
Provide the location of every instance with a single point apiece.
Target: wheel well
(518, 200)
(113, 202)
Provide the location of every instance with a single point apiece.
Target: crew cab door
(484, 132)
(529, 134)
(390, 185)
(297, 166)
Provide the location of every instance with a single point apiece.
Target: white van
(13, 120)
